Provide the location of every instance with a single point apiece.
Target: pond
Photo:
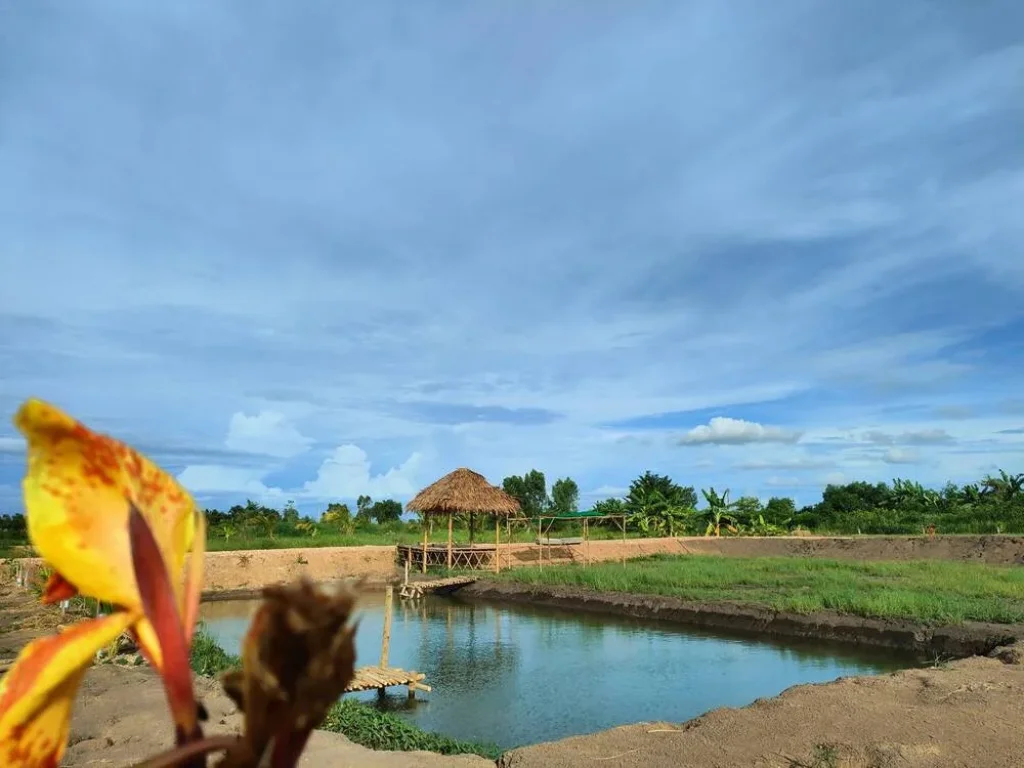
(514, 675)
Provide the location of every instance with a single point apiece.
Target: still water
(515, 675)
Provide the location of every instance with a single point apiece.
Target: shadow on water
(515, 674)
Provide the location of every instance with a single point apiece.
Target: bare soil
(963, 715)
(970, 638)
(121, 718)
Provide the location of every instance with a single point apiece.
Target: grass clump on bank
(357, 722)
(932, 592)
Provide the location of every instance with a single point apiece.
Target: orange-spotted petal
(77, 491)
(40, 743)
(36, 694)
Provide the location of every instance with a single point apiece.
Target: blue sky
(312, 250)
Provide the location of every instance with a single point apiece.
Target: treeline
(995, 504)
(656, 505)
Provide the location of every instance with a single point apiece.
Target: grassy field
(358, 722)
(933, 592)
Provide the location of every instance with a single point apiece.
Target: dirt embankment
(966, 714)
(946, 642)
(245, 570)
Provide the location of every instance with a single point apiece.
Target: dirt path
(964, 715)
(121, 718)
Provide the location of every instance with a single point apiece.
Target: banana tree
(718, 512)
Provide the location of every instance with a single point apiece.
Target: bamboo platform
(381, 678)
(416, 589)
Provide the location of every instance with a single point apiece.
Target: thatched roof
(463, 491)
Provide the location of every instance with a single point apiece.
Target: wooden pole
(497, 544)
(540, 543)
(406, 582)
(385, 641)
(426, 525)
(623, 540)
(586, 543)
(450, 532)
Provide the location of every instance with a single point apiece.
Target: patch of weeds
(381, 730)
(244, 560)
(301, 560)
(207, 658)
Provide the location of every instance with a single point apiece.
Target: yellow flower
(115, 527)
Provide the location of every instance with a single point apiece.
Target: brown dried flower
(297, 658)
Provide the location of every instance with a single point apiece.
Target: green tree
(748, 509)
(339, 516)
(718, 511)
(364, 516)
(565, 496)
(779, 510)
(530, 491)
(657, 505)
(386, 511)
(290, 514)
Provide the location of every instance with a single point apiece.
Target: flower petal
(40, 743)
(57, 588)
(78, 489)
(37, 693)
(162, 612)
(194, 577)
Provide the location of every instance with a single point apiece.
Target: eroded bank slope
(969, 638)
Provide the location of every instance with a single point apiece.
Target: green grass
(931, 592)
(358, 722)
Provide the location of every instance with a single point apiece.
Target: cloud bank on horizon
(309, 254)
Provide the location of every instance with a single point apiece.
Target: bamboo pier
(381, 677)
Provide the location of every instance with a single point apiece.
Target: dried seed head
(297, 658)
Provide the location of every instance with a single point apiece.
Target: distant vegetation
(932, 592)
(655, 505)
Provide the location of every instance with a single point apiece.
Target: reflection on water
(515, 675)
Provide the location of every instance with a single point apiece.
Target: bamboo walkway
(380, 678)
(415, 589)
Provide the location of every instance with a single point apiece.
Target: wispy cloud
(311, 251)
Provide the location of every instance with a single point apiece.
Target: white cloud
(721, 262)
(722, 430)
(346, 474)
(268, 432)
(835, 478)
(212, 478)
(912, 437)
(901, 456)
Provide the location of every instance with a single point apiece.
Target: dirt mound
(963, 715)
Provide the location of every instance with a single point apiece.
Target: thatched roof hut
(460, 492)
(463, 491)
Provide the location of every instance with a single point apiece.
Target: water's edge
(957, 641)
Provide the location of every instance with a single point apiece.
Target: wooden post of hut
(450, 520)
(497, 544)
(462, 492)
